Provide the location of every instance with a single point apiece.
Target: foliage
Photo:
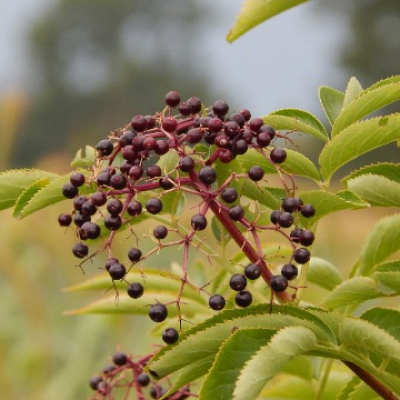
(245, 353)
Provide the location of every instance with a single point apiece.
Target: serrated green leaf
(300, 367)
(283, 347)
(352, 291)
(376, 190)
(363, 392)
(388, 266)
(168, 162)
(385, 318)
(369, 101)
(388, 170)
(326, 203)
(219, 383)
(353, 89)
(300, 165)
(263, 195)
(84, 159)
(14, 182)
(348, 388)
(297, 120)
(254, 12)
(323, 273)
(252, 158)
(383, 240)
(331, 101)
(357, 139)
(390, 280)
(286, 387)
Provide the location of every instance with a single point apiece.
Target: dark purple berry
(135, 290)
(69, 190)
(134, 208)
(243, 298)
(118, 181)
(172, 98)
(252, 271)
(92, 230)
(232, 129)
(80, 250)
(154, 206)
(120, 358)
(64, 219)
(88, 208)
(285, 219)
(301, 255)
(109, 368)
(136, 172)
(238, 118)
(263, 139)
(208, 175)
(195, 103)
(186, 164)
(229, 195)
(129, 153)
(169, 124)
(216, 302)
(278, 283)
(143, 379)
(268, 129)
(289, 271)
(222, 141)
(160, 232)
(134, 254)
(240, 146)
(256, 173)
(185, 108)
(137, 143)
(307, 211)
(77, 179)
(80, 219)
(149, 143)
(278, 156)
(255, 124)
(295, 235)
(104, 147)
(238, 282)
(215, 125)
(103, 178)
(291, 204)
(198, 222)
(139, 123)
(112, 222)
(114, 206)
(153, 171)
(220, 108)
(151, 122)
(126, 138)
(166, 183)
(170, 336)
(117, 271)
(246, 114)
(306, 238)
(274, 217)
(161, 147)
(78, 201)
(236, 213)
(158, 312)
(194, 135)
(247, 136)
(110, 262)
(99, 198)
(94, 382)
(226, 156)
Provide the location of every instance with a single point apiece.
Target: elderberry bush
(130, 180)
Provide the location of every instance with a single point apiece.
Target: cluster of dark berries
(125, 372)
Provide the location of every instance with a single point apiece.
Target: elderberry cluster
(127, 167)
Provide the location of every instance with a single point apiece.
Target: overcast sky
(280, 63)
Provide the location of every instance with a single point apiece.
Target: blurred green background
(88, 66)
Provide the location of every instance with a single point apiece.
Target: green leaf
(14, 182)
(168, 162)
(297, 120)
(263, 195)
(369, 101)
(348, 388)
(352, 91)
(300, 165)
(284, 387)
(358, 139)
(251, 158)
(331, 101)
(84, 159)
(351, 292)
(390, 280)
(323, 273)
(363, 392)
(376, 190)
(254, 12)
(326, 203)
(219, 383)
(383, 240)
(388, 170)
(384, 318)
(269, 360)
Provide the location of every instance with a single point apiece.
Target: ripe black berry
(77, 179)
(289, 271)
(103, 178)
(120, 358)
(166, 183)
(274, 217)
(161, 147)
(126, 138)
(160, 232)
(229, 195)
(278, 283)
(236, 213)
(149, 143)
(129, 153)
(69, 190)
(307, 211)
(135, 172)
(134, 254)
(134, 208)
(64, 219)
(185, 108)
(109, 368)
(243, 298)
(268, 129)
(232, 128)
(80, 219)
(172, 98)
(215, 125)
(104, 147)
(139, 123)
(91, 230)
(263, 139)
(110, 262)
(143, 379)
(226, 156)
(80, 250)
(195, 103)
(78, 201)
(238, 118)
(117, 271)
(112, 222)
(153, 171)
(169, 124)
(295, 235)
(240, 146)
(256, 124)
(94, 382)
(238, 282)
(118, 181)
(252, 271)
(170, 336)
(291, 204)
(114, 206)
(198, 222)
(278, 156)
(301, 255)
(154, 206)
(220, 108)
(216, 302)
(186, 164)
(194, 135)
(208, 175)
(246, 114)
(158, 312)
(88, 208)
(256, 173)
(135, 290)
(99, 198)
(285, 219)
(306, 238)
